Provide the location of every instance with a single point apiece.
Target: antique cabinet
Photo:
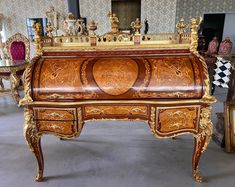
(163, 83)
(229, 113)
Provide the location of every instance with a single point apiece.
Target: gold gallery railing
(181, 39)
(121, 39)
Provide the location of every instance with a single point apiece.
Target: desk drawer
(57, 127)
(55, 114)
(116, 110)
(173, 119)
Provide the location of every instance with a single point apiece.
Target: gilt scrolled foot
(197, 176)
(34, 141)
(39, 176)
(198, 149)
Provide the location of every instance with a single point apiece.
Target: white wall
(160, 14)
(229, 28)
(16, 12)
(97, 10)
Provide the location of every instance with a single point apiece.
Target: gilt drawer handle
(54, 127)
(55, 96)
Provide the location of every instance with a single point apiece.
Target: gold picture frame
(229, 111)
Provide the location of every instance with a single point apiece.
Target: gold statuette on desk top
(181, 26)
(136, 26)
(194, 33)
(38, 40)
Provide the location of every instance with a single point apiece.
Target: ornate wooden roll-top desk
(164, 83)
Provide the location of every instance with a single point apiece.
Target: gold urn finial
(181, 26)
(38, 41)
(92, 27)
(136, 25)
(194, 33)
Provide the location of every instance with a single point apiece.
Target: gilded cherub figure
(52, 17)
(114, 22)
(49, 29)
(194, 33)
(181, 26)
(136, 26)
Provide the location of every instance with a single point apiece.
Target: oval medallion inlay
(115, 76)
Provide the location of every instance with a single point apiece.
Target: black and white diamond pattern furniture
(222, 73)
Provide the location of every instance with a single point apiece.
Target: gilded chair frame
(18, 37)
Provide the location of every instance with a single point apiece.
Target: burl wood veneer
(169, 89)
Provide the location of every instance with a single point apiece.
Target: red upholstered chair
(18, 47)
(212, 51)
(225, 47)
(213, 47)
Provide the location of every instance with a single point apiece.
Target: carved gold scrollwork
(205, 126)
(26, 80)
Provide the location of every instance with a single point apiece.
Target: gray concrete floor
(109, 154)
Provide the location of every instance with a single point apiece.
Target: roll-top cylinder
(117, 74)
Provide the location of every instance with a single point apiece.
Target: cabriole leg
(202, 140)
(34, 141)
(198, 149)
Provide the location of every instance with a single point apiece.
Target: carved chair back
(213, 46)
(225, 47)
(18, 47)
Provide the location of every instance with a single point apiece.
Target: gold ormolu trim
(114, 47)
(159, 102)
(207, 98)
(27, 82)
(205, 126)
